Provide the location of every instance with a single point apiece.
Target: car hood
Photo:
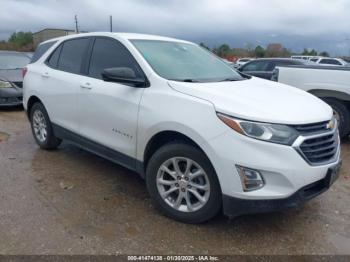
(259, 100)
(12, 75)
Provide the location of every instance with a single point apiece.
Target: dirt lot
(72, 202)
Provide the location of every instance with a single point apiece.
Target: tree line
(23, 41)
(18, 41)
(272, 50)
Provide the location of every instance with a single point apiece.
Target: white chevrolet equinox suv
(205, 137)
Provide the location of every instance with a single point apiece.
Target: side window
(256, 66)
(286, 63)
(72, 54)
(330, 62)
(108, 53)
(40, 50)
(53, 60)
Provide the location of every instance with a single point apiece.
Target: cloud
(180, 17)
(189, 19)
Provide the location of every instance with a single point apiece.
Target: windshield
(13, 61)
(185, 62)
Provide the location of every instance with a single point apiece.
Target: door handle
(86, 86)
(46, 75)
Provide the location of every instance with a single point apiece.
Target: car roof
(277, 59)
(125, 36)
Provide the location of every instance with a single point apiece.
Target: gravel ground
(72, 202)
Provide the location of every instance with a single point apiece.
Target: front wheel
(183, 184)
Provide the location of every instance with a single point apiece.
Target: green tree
(305, 52)
(276, 50)
(223, 50)
(21, 39)
(204, 46)
(312, 52)
(324, 53)
(259, 51)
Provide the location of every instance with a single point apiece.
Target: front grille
(321, 149)
(312, 128)
(18, 84)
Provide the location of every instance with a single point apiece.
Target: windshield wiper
(189, 80)
(230, 79)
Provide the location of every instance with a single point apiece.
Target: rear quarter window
(72, 55)
(53, 59)
(40, 50)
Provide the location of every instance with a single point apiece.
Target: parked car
(304, 57)
(329, 83)
(11, 65)
(227, 61)
(264, 67)
(330, 61)
(204, 137)
(314, 59)
(242, 61)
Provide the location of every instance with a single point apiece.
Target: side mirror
(124, 75)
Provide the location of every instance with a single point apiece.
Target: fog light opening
(251, 179)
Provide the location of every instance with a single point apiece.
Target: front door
(108, 111)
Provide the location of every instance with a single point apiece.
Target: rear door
(108, 111)
(62, 77)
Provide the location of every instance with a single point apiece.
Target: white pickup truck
(329, 83)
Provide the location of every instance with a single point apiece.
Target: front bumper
(284, 170)
(234, 207)
(10, 97)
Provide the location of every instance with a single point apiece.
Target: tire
(343, 115)
(42, 128)
(201, 178)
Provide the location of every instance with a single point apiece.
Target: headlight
(274, 133)
(5, 84)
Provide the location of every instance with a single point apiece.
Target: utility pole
(111, 23)
(76, 24)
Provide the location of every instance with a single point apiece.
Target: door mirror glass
(124, 75)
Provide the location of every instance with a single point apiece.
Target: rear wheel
(42, 128)
(183, 184)
(342, 115)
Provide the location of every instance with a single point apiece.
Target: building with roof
(49, 33)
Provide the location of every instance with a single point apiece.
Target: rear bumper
(10, 97)
(234, 207)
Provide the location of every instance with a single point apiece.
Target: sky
(320, 24)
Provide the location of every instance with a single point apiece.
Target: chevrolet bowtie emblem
(330, 124)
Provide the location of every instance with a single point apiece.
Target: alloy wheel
(183, 184)
(39, 126)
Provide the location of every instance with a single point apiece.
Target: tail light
(24, 71)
